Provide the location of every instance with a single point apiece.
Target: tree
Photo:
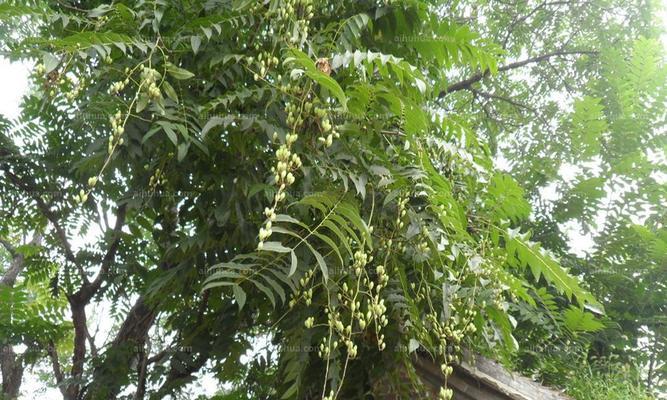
(322, 176)
(610, 138)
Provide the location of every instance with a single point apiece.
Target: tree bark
(79, 355)
(12, 372)
(119, 358)
(11, 365)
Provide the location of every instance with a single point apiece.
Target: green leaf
(150, 133)
(588, 125)
(326, 239)
(293, 264)
(507, 199)
(178, 73)
(413, 345)
(169, 90)
(169, 130)
(50, 62)
(320, 261)
(195, 42)
(275, 286)
(502, 322)
(215, 283)
(578, 320)
(288, 218)
(182, 151)
(239, 295)
(266, 291)
(543, 265)
(291, 392)
(330, 84)
(329, 224)
(276, 247)
(318, 76)
(142, 103)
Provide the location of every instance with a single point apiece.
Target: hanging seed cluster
(149, 77)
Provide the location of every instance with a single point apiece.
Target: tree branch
(32, 190)
(82, 297)
(503, 98)
(55, 362)
(510, 101)
(79, 354)
(467, 83)
(88, 290)
(119, 357)
(142, 370)
(520, 20)
(8, 246)
(18, 261)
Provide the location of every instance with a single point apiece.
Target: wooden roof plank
(479, 378)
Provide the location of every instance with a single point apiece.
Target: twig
(467, 83)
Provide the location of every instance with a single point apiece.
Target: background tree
(591, 155)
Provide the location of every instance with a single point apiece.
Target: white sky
(14, 84)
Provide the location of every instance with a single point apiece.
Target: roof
(479, 378)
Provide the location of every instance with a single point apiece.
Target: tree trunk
(119, 358)
(12, 372)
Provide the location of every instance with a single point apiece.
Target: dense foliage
(298, 197)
